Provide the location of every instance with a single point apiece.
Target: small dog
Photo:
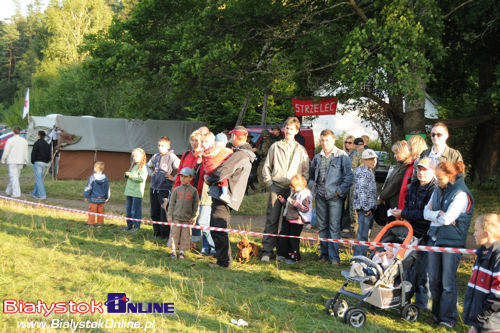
(247, 250)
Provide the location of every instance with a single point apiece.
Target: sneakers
(291, 261)
(181, 256)
(173, 255)
(346, 233)
(265, 258)
(445, 324)
(208, 252)
(225, 197)
(281, 258)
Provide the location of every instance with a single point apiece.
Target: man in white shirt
(15, 155)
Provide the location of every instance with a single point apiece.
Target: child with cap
(482, 298)
(183, 209)
(365, 197)
(215, 153)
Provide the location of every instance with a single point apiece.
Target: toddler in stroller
(384, 259)
(382, 288)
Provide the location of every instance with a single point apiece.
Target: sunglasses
(437, 134)
(349, 142)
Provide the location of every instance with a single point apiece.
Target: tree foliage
(204, 60)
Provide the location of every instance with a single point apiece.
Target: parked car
(383, 166)
(7, 136)
(306, 132)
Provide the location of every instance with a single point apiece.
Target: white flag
(26, 108)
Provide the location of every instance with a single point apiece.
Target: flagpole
(26, 106)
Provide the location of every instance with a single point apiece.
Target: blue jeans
(134, 210)
(39, 169)
(443, 284)
(207, 244)
(418, 276)
(329, 214)
(364, 223)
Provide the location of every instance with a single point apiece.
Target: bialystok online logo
(116, 303)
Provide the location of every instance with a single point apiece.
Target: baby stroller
(385, 289)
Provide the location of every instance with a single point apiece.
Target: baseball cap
(359, 141)
(186, 172)
(239, 130)
(221, 137)
(427, 163)
(368, 153)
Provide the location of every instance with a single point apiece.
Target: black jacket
(40, 152)
(417, 197)
(392, 186)
(236, 170)
(482, 298)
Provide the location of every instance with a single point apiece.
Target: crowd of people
(425, 188)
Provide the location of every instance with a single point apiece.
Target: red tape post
(253, 233)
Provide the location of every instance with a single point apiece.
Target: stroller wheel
(410, 312)
(329, 307)
(340, 308)
(355, 317)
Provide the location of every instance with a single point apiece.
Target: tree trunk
(10, 65)
(485, 159)
(242, 112)
(414, 116)
(263, 120)
(395, 114)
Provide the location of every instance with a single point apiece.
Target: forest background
(212, 60)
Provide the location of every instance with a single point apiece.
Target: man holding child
(236, 169)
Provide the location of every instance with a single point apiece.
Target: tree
(468, 81)
(68, 23)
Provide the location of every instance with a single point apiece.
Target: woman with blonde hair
(392, 185)
(134, 189)
(416, 145)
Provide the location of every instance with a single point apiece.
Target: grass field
(52, 256)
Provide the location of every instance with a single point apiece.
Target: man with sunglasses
(439, 152)
(349, 146)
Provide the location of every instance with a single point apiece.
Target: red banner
(307, 107)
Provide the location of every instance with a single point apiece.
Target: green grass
(53, 256)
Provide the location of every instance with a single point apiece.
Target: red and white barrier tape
(253, 233)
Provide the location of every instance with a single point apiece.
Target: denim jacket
(339, 176)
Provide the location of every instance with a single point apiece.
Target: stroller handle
(397, 223)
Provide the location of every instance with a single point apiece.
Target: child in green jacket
(134, 189)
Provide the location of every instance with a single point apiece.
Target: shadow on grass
(256, 288)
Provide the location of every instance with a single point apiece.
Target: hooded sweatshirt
(97, 190)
